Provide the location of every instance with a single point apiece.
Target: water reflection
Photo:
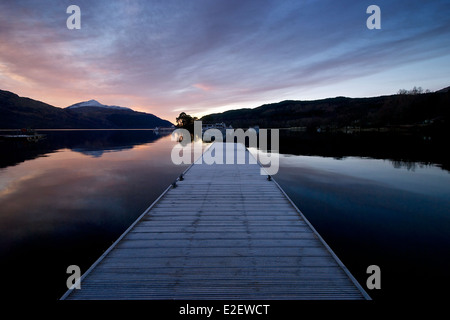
(67, 207)
(404, 151)
(409, 165)
(65, 199)
(89, 142)
(373, 213)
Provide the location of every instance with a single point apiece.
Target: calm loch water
(376, 201)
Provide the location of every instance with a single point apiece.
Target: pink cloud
(202, 56)
(203, 86)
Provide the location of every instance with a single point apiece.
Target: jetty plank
(224, 232)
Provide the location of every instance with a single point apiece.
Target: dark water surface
(375, 199)
(64, 200)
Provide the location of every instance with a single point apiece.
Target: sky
(204, 56)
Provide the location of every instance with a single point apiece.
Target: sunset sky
(204, 56)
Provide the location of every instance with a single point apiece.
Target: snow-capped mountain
(20, 112)
(95, 103)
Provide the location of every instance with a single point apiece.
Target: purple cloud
(167, 56)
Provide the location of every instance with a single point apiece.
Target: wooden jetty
(224, 232)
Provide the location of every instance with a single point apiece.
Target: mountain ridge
(431, 108)
(20, 112)
(95, 104)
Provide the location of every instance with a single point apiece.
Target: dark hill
(394, 110)
(18, 112)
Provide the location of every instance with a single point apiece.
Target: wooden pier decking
(225, 232)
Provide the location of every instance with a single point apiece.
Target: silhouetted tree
(186, 121)
(413, 91)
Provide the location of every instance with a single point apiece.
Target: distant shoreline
(78, 129)
(324, 129)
